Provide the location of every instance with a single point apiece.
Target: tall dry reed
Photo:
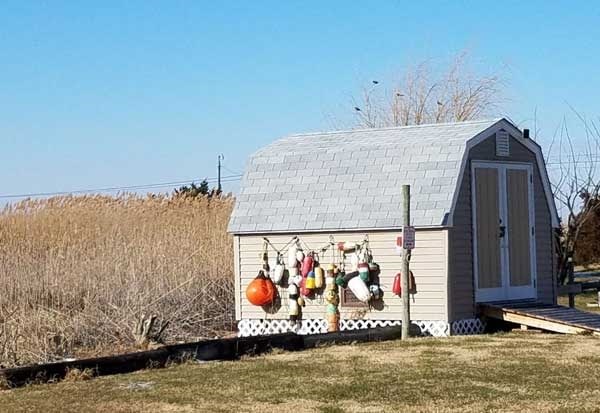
(76, 273)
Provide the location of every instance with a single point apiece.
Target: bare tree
(420, 96)
(576, 186)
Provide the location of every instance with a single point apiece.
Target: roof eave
(326, 231)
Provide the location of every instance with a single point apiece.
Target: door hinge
(534, 283)
(531, 178)
(533, 231)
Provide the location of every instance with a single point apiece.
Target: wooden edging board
(219, 349)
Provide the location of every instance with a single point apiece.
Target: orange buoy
(261, 290)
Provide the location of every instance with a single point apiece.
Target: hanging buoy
(363, 271)
(331, 270)
(319, 277)
(305, 292)
(354, 260)
(344, 278)
(293, 272)
(278, 273)
(299, 255)
(375, 291)
(301, 301)
(293, 296)
(412, 286)
(359, 289)
(330, 308)
(333, 299)
(307, 265)
(291, 261)
(373, 268)
(294, 310)
(261, 290)
(265, 259)
(330, 277)
(339, 280)
(346, 247)
(310, 281)
(397, 286)
(333, 322)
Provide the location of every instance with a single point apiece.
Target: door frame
(505, 292)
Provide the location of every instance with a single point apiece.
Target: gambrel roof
(347, 180)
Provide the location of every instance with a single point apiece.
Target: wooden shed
(481, 205)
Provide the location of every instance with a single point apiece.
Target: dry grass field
(76, 273)
(516, 372)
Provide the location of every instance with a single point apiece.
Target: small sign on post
(406, 241)
(408, 237)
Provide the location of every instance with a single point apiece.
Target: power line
(229, 178)
(230, 170)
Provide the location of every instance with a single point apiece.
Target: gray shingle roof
(352, 179)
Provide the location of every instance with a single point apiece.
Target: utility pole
(220, 158)
(405, 263)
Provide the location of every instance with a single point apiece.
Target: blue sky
(126, 93)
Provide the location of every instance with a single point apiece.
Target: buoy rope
(294, 238)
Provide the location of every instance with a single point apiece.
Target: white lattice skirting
(259, 327)
(468, 326)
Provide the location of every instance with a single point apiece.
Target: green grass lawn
(516, 372)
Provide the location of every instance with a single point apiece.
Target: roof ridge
(424, 125)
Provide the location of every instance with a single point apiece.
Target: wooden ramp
(544, 316)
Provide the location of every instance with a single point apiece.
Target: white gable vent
(502, 148)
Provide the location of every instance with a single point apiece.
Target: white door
(503, 231)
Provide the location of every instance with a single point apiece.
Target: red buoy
(397, 286)
(307, 265)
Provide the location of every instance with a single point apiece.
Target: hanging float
(278, 271)
(319, 277)
(261, 290)
(359, 289)
(363, 271)
(333, 300)
(307, 264)
(397, 285)
(291, 259)
(306, 278)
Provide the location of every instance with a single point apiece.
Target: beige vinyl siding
(462, 297)
(428, 264)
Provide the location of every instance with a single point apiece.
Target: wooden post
(571, 280)
(405, 265)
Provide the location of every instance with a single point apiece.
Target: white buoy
(354, 260)
(359, 289)
(278, 271)
(291, 261)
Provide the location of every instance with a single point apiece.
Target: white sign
(408, 237)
